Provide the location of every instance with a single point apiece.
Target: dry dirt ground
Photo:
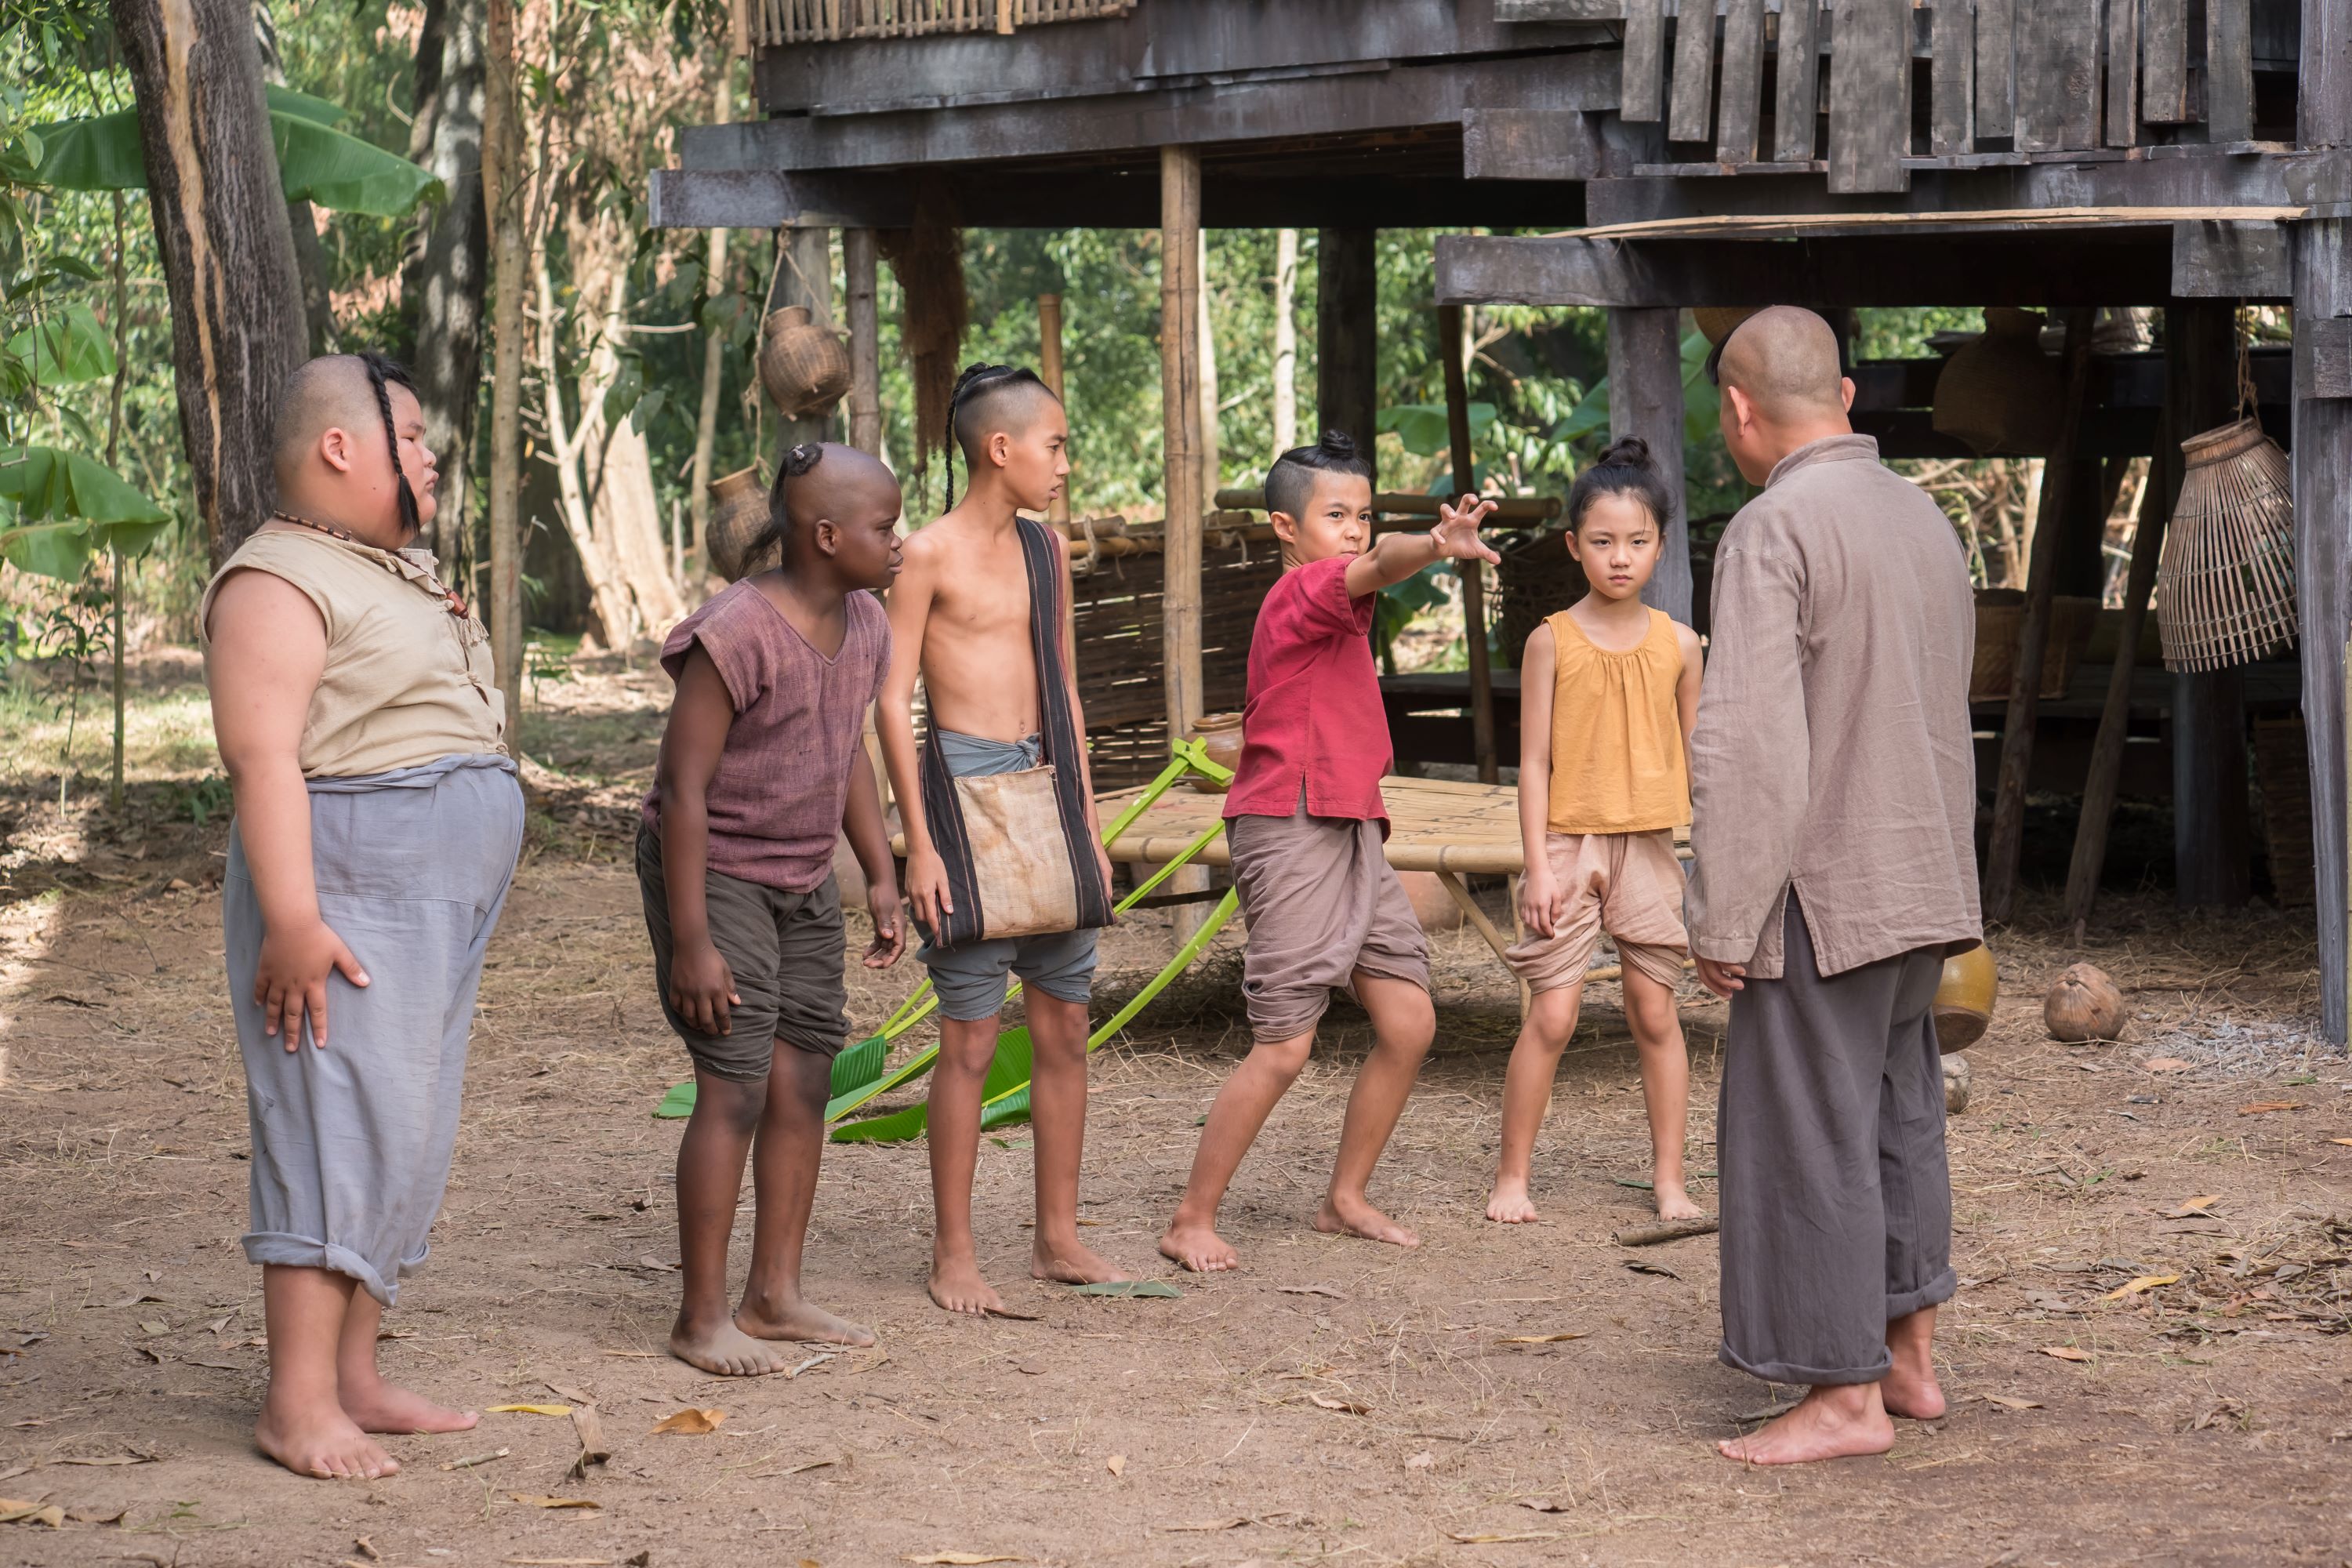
(1334, 1401)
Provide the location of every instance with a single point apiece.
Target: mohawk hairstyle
(1291, 480)
(975, 389)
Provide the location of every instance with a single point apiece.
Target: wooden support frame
(1347, 336)
(2212, 834)
(1451, 333)
(2320, 463)
(1179, 393)
(860, 272)
(1645, 399)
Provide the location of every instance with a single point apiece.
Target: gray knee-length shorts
(352, 1143)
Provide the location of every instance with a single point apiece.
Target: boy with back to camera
(1608, 691)
(1326, 911)
(762, 766)
(982, 612)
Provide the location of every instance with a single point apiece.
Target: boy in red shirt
(1325, 910)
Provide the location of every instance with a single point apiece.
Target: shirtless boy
(960, 618)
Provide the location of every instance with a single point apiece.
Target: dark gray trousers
(1837, 1200)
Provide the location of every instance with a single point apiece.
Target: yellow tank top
(1616, 733)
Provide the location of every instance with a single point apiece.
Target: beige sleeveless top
(1617, 761)
(407, 681)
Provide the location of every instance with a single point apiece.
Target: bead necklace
(448, 596)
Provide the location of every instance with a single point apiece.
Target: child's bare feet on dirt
(388, 1408)
(1068, 1263)
(1509, 1204)
(1674, 1202)
(725, 1349)
(800, 1321)
(320, 1440)
(1355, 1218)
(1826, 1425)
(956, 1286)
(1198, 1247)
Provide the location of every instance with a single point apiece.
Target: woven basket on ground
(1539, 578)
(2225, 583)
(2001, 619)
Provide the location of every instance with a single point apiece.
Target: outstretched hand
(1456, 532)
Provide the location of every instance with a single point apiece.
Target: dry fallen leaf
(2261, 1107)
(1203, 1527)
(1116, 1464)
(2007, 1402)
(690, 1422)
(531, 1410)
(1352, 1407)
(1542, 1339)
(2347, 1141)
(1311, 1291)
(15, 1512)
(95, 1515)
(2166, 1064)
(966, 1558)
(1543, 1505)
(2141, 1286)
(2066, 1353)
(2194, 1208)
(532, 1501)
(109, 1459)
(1495, 1537)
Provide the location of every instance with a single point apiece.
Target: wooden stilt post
(1450, 346)
(859, 270)
(1347, 336)
(1049, 368)
(1180, 398)
(2034, 636)
(2212, 837)
(1645, 399)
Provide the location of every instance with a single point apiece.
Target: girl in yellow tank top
(1608, 690)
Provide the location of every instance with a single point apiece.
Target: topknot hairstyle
(1291, 480)
(800, 461)
(384, 373)
(975, 389)
(1626, 468)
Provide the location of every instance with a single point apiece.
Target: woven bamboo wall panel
(774, 22)
(1121, 659)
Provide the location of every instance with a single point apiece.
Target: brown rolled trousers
(1837, 1198)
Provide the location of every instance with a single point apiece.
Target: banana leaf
(67, 349)
(71, 507)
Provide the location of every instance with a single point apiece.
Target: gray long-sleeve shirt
(1833, 752)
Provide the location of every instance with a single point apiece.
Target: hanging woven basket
(2000, 393)
(2225, 583)
(805, 367)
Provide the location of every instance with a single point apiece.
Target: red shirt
(1314, 716)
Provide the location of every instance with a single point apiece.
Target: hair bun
(801, 458)
(1335, 444)
(1627, 452)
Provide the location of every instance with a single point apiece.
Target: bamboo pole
(501, 189)
(1180, 394)
(1452, 329)
(2033, 634)
(859, 271)
(1049, 368)
(1507, 508)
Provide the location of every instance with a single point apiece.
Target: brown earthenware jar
(738, 515)
(1220, 735)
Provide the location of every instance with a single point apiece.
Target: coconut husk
(928, 261)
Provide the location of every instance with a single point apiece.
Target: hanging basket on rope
(2225, 583)
(1999, 395)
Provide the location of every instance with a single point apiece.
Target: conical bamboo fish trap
(2225, 584)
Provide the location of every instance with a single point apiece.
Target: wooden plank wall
(1686, 109)
(1870, 96)
(1743, 81)
(1953, 78)
(2057, 76)
(1796, 97)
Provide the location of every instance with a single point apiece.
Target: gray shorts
(784, 951)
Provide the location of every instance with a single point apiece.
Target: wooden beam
(1543, 144)
(1346, 334)
(1179, 396)
(1870, 97)
(1796, 86)
(2321, 462)
(1645, 399)
(1452, 329)
(1952, 77)
(2023, 709)
(1742, 93)
(2123, 73)
(2230, 261)
(859, 270)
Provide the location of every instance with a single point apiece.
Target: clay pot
(2001, 394)
(805, 367)
(1957, 1075)
(1432, 905)
(1220, 735)
(1964, 999)
(2084, 1004)
(738, 516)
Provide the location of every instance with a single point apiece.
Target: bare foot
(725, 1349)
(958, 1287)
(1509, 1204)
(388, 1408)
(1674, 1202)
(1068, 1263)
(320, 1440)
(1826, 1425)
(1911, 1391)
(1355, 1218)
(1198, 1247)
(800, 1321)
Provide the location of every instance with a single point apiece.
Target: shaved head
(329, 393)
(1011, 404)
(348, 446)
(1785, 360)
(828, 480)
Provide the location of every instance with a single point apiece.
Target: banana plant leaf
(316, 160)
(67, 349)
(71, 507)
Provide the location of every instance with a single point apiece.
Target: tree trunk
(502, 198)
(614, 616)
(714, 353)
(301, 219)
(227, 252)
(617, 468)
(442, 288)
(1286, 341)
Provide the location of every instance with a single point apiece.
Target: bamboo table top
(1435, 825)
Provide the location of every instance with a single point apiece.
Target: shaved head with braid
(349, 449)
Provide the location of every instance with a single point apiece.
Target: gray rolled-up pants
(352, 1142)
(1837, 1199)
